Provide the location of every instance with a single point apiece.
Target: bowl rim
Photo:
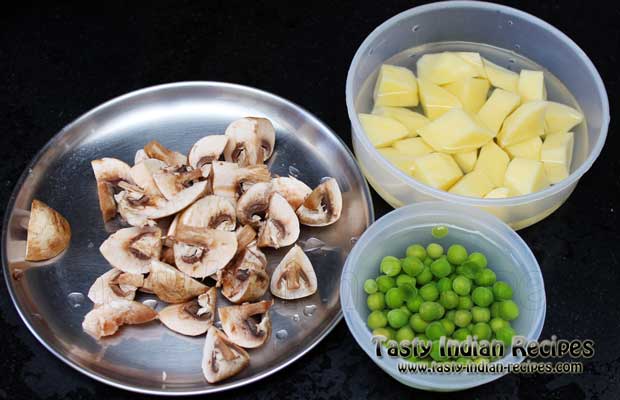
(473, 201)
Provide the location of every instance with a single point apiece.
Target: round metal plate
(51, 296)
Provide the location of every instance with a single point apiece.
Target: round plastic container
(508, 37)
(507, 254)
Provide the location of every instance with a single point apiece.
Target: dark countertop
(58, 61)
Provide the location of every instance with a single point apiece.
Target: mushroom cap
(294, 277)
(242, 325)
(105, 319)
(281, 227)
(142, 174)
(245, 278)
(109, 287)
(154, 149)
(170, 182)
(192, 318)
(231, 181)
(292, 189)
(221, 358)
(132, 249)
(111, 170)
(252, 205)
(172, 285)
(201, 252)
(250, 141)
(207, 150)
(49, 232)
(323, 206)
(214, 212)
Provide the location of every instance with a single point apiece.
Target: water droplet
(312, 244)
(293, 171)
(295, 317)
(37, 316)
(415, 28)
(512, 60)
(371, 51)
(150, 303)
(510, 22)
(354, 240)
(325, 179)
(218, 324)
(29, 170)
(309, 310)
(517, 46)
(324, 300)
(75, 299)
(164, 375)
(91, 245)
(282, 334)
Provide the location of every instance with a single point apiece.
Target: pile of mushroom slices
(194, 220)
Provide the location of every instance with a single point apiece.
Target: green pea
(450, 315)
(441, 268)
(421, 337)
(376, 319)
(390, 266)
(406, 310)
(385, 283)
(435, 354)
(448, 326)
(428, 261)
(429, 292)
(469, 269)
(405, 280)
(508, 310)
(431, 311)
(397, 318)
(463, 360)
(482, 296)
(486, 277)
(505, 334)
(462, 318)
(449, 300)
(502, 290)
(385, 332)
(497, 324)
(440, 231)
(395, 297)
(370, 286)
(482, 330)
(444, 284)
(417, 323)
(376, 301)
(417, 251)
(404, 333)
(481, 360)
(465, 303)
(435, 330)
(413, 303)
(495, 310)
(461, 334)
(461, 285)
(412, 266)
(480, 314)
(478, 258)
(457, 254)
(434, 250)
(424, 277)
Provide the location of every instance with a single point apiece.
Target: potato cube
(472, 92)
(525, 176)
(474, 59)
(382, 131)
(455, 132)
(527, 149)
(399, 160)
(498, 106)
(557, 155)
(561, 118)
(446, 67)
(396, 86)
(474, 184)
(532, 85)
(493, 162)
(524, 123)
(498, 193)
(466, 160)
(501, 77)
(413, 147)
(437, 170)
(435, 99)
(411, 119)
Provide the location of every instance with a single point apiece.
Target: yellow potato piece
(501, 77)
(561, 118)
(525, 176)
(498, 193)
(446, 67)
(396, 86)
(382, 131)
(436, 100)
(526, 149)
(413, 147)
(493, 161)
(474, 184)
(557, 155)
(531, 85)
(437, 170)
(475, 60)
(411, 119)
(524, 123)
(466, 160)
(455, 132)
(498, 106)
(400, 161)
(471, 92)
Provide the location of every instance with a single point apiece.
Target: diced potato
(528, 149)
(455, 132)
(466, 160)
(499, 105)
(557, 155)
(474, 59)
(561, 118)
(446, 67)
(382, 131)
(411, 119)
(400, 161)
(498, 193)
(525, 176)
(435, 99)
(493, 162)
(525, 122)
(474, 184)
(532, 85)
(437, 170)
(472, 92)
(501, 77)
(413, 147)
(396, 86)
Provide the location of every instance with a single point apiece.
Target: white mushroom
(140, 156)
(292, 189)
(211, 211)
(252, 205)
(221, 358)
(142, 175)
(247, 325)
(154, 149)
(250, 141)
(245, 278)
(245, 235)
(132, 249)
(231, 181)
(108, 173)
(171, 182)
(104, 320)
(207, 150)
(323, 206)
(201, 252)
(172, 285)
(294, 277)
(115, 285)
(281, 227)
(192, 318)
(49, 232)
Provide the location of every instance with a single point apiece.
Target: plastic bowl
(507, 253)
(441, 26)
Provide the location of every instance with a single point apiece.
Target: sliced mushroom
(201, 252)
(231, 181)
(214, 212)
(292, 189)
(154, 149)
(192, 318)
(49, 232)
(104, 320)
(142, 175)
(167, 255)
(132, 249)
(140, 156)
(281, 227)
(250, 141)
(247, 325)
(245, 235)
(108, 173)
(245, 278)
(252, 205)
(171, 182)
(207, 150)
(221, 358)
(294, 277)
(323, 206)
(115, 285)
(172, 285)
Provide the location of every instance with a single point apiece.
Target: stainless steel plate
(50, 296)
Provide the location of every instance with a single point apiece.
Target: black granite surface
(58, 61)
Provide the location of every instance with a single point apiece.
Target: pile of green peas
(431, 293)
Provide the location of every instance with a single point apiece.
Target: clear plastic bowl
(459, 25)
(507, 254)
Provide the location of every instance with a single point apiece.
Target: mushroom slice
(292, 189)
(170, 183)
(142, 174)
(245, 278)
(207, 150)
(229, 180)
(294, 277)
(201, 252)
(108, 173)
(221, 358)
(104, 320)
(115, 285)
(250, 141)
(49, 232)
(247, 325)
(132, 249)
(214, 212)
(167, 255)
(252, 205)
(323, 206)
(140, 156)
(245, 235)
(172, 285)
(281, 227)
(192, 318)
(154, 149)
